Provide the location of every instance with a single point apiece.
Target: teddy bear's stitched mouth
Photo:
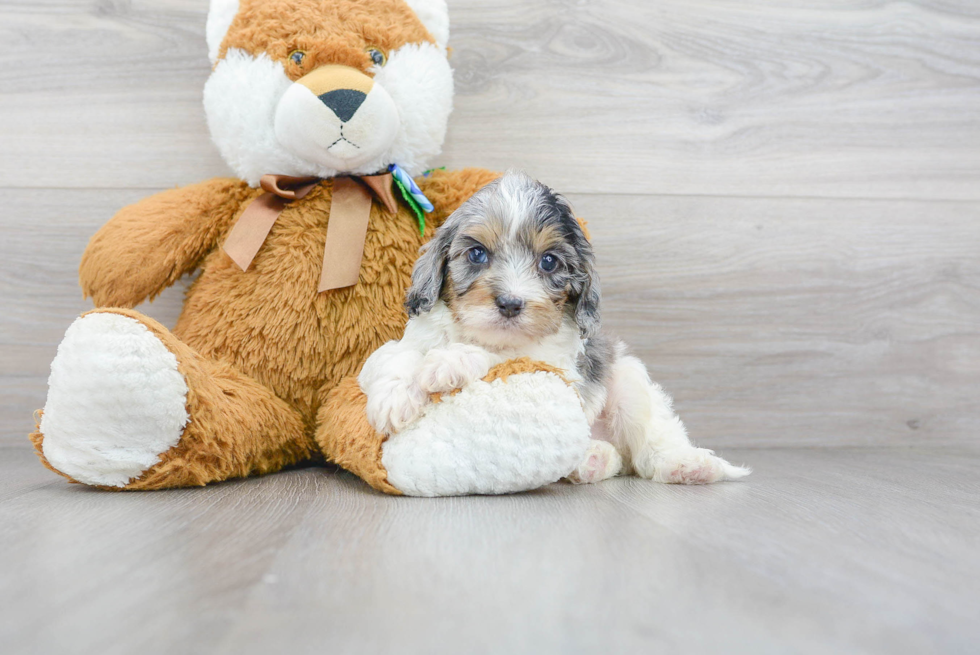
(342, 138)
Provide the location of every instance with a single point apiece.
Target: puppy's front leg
(640, 415)
(389, 379)
(453, 367)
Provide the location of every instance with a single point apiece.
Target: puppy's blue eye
(548, 263)
(297, 56)
(477, 255)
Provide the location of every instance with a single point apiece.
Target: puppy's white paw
(394, 403)
(602, 461)
(453, 367)
(686, 465)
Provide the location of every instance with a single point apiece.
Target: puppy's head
(512, 264)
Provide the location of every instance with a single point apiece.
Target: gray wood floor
(822, 551)
(785, 200)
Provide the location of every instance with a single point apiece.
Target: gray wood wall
(783, 199)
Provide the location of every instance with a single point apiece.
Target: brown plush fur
(345, 433)
(259, 349)
(522, 365)
(147, 246)
(329, 32)
(37, 438)
(344, 430)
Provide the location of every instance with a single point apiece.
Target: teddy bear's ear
(435, 16)
(220, 15)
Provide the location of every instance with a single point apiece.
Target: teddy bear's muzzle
(337, 117)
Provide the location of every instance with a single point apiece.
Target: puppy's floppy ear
(430, 270)
(585, 284)
(587, 304)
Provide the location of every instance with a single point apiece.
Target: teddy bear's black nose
(343, 102)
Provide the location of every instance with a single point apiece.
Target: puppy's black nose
(343, 102)
(509, 306)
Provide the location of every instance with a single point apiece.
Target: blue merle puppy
(511, 274)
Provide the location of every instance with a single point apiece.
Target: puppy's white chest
(560, 350)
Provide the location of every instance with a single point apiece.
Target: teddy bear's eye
(377, 56)
(297, 56)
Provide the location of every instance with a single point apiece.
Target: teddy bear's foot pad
(491, 438)
(116, 401)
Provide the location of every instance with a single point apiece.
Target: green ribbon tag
(412, 204)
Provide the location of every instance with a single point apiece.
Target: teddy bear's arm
(148, 245)
(447, 190)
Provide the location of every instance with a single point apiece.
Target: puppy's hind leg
(640, 414)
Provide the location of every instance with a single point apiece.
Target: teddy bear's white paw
(116, 401)
(602, 461)
(453, 367)
(686, 465)
(394, 403)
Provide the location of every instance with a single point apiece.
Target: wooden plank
(98, 556)
(113, 98)
(772, 321)
(820, 551)
(800, 321)
(621, 96)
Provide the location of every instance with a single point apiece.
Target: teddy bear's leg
(132, 407)
(346, 438)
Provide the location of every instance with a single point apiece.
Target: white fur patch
(491, 438)
(242, 96)
(116, 401)
(420, 82)
(453, 367)
(434, 14)
(394, 398)
(220, 16)
(240, 99)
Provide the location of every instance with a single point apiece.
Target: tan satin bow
(350, 209)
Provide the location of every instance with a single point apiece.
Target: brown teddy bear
(325, 110)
